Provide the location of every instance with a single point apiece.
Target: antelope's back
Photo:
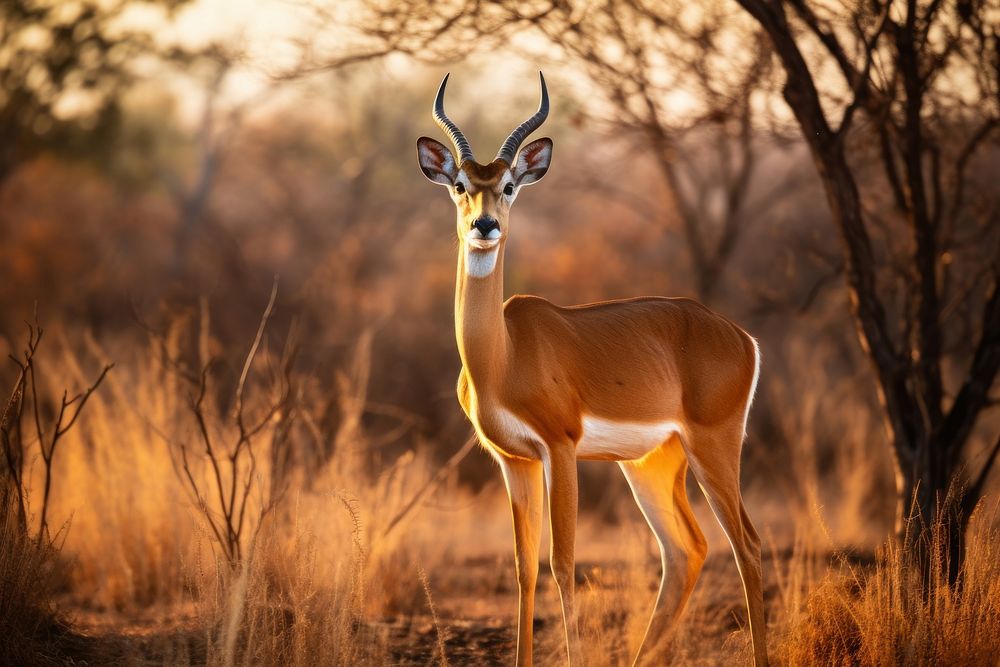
(648, 358)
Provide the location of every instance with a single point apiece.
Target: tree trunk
(934, 505)
(928, 444)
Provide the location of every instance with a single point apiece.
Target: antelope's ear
(533, 161)
(436, 161)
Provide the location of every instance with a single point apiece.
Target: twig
(442, 472)
(11, 432)
(58, 430)
(862, 84)
(241, 386)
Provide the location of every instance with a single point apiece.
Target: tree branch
(974, 393)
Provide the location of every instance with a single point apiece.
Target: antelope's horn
(455, 134)
(509, 148)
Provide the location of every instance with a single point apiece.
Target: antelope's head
(484, 193)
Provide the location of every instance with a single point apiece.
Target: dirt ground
(476, 610)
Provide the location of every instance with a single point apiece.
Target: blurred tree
(658, 68)
(63, 68)
(667, 76)
(916, 86)
(215, 134)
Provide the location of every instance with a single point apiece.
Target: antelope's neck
(480, 328)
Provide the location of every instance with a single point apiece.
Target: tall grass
(357, 565)
(340, 551)
(893, 612)
(34, 633)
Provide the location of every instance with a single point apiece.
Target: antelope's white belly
(602, 439)
(622, 441)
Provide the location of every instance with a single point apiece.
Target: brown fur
(484, 176)
(640, 360)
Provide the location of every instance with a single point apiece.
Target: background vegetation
(276, 471)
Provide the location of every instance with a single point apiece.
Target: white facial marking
(508, 178)
(464, 180)
(480, 263)
(623, 441)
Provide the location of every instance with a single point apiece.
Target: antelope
(655, 384)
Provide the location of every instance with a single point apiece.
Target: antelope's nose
(485, 225)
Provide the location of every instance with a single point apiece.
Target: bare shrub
(234, 468)
(12, 432)
(30, 568)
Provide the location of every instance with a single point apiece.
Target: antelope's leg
(561, 479)
(658, 484)
(523, 479)
(714, 455)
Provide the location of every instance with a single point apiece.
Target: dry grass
(30, 573)
(348, 570)
(892, 613)
(335, 553)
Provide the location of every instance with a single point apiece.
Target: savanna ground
(360, 563)
(250, 471)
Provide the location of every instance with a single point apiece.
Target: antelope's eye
(459, 188)
(508, 189)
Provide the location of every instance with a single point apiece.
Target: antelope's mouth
(477, 241)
